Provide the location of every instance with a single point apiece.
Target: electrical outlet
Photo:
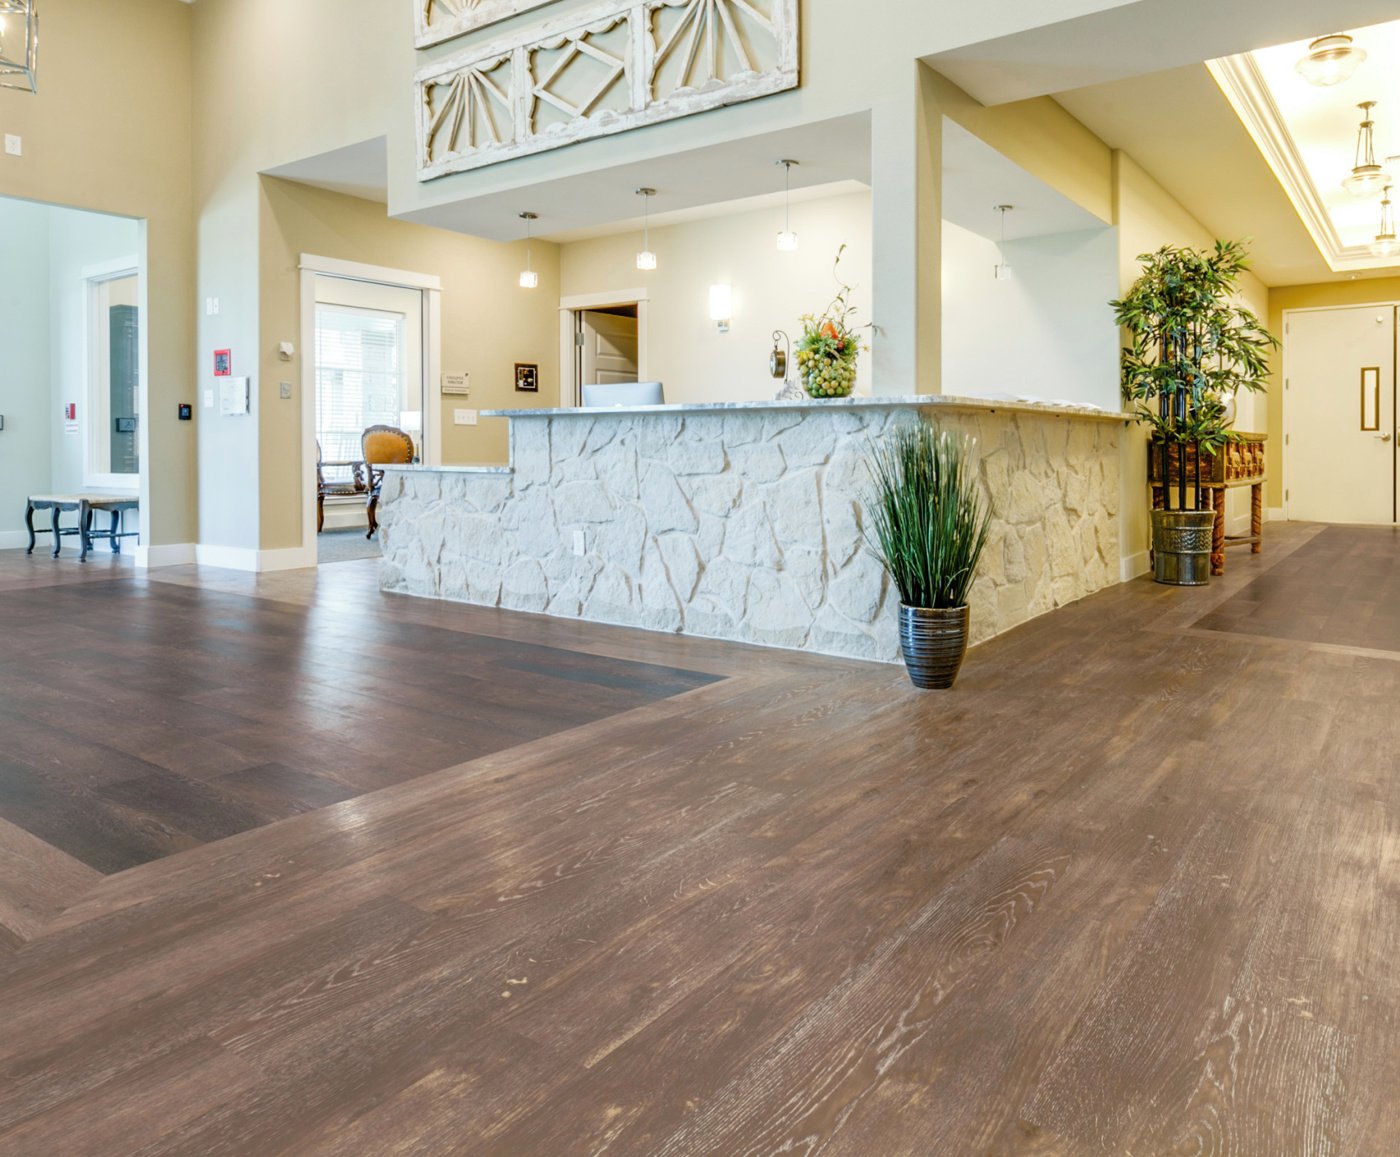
(464, 417)
(580, 544)
(211, 307)
(14, 146)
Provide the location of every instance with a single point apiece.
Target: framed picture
(223, 363)
(527, 377)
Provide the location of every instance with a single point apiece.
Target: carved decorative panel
(439, 20)
(614, 66)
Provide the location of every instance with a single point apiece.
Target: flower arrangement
(828, 348)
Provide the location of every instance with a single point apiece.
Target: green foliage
(1191, 347)
(828, 347)
(928, 524)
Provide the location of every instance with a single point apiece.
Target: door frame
(430, 286)
(570, 392)
(1288, 430)
(97, 400)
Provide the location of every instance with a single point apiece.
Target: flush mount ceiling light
(787, 239)
(1330, 60)
(1001, 270)
(19, 44)
(1385, 245)
(529, 279)
(646, 259)
(1367, 177)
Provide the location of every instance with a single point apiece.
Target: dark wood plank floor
(1133, 887)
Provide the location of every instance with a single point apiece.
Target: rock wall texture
(747, 524)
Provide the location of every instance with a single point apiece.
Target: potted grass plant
(928, 525)
(1191, 349)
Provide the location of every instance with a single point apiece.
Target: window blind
(359, 378)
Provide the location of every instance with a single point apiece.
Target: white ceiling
(359, 170)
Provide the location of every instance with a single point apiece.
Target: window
(360, 378)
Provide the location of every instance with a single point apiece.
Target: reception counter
(743, 521)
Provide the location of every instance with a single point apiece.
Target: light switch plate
(286, 390)
(14, 146)
(211, 307)
(464, 417)
(208, 399)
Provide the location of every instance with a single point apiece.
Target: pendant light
(1001, 271)
(529, 279)
(1385, 245)
(19, 44)
(1330, 60)
(787, 239)
(1367, 177)
(646, 259)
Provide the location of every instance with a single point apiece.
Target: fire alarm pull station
(70, 411)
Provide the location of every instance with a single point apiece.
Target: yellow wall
(110, 130)
(488, 324)
(772, 290)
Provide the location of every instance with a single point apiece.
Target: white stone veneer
(745, 523)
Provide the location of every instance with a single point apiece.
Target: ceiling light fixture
(1330, 60)
(1367, 177)
(19, 44)
(646, 259)
(1385, 245)
(529, 279)
(1002, 270)
(787, 239)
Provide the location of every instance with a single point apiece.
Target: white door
(1339, 414)
(609, 348)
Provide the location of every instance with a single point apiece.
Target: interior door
(609, 348)
(124, 386)
(1339, 370)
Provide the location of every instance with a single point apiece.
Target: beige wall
(772, 290)
(488, 324)
(110, 130)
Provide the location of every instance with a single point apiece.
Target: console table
(1240, 463)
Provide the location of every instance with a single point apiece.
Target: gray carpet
(344, 546)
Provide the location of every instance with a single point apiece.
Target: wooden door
(609, 348)
(1339, 414)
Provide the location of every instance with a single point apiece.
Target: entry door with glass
(369, 365)
(1339, 414)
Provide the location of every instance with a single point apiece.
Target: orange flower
(829, 330)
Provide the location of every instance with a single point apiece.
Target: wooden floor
(1131, 888)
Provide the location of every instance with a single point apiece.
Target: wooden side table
(1238, 464)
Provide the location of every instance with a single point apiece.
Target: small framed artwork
(223, 363)
(527, 377)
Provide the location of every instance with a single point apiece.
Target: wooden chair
(387, 446)
(349, 489)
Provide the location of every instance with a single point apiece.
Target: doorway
(1340, 424)
(113, 454)
(604, 341)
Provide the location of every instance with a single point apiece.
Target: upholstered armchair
(382, 446)
(339, 488)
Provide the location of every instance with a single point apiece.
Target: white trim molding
(154, 557)
(1134, 565)
(1247, 91)
(611, 66)
(256, 561)
(436, 21)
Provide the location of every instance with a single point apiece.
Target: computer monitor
(606, 395)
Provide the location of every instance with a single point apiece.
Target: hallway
(1131, 887)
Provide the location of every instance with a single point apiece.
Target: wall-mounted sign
(456, 383)
(233, 396)
(223, 363)
(527, 377)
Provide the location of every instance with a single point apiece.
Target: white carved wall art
(614, 66)
(439, 20)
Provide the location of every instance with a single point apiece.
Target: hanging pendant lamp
(19, 44)
(1330, 60)
(787, 239)
(1367, 177)
(529, 279)
(1385, 245)
(646, 259)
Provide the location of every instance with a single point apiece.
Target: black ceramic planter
(934, 641)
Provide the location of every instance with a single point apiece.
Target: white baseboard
(1277, 514)
(14, 539)
(257, 561)
(1134, 565)
(174, 554)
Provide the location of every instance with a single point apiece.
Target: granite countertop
(423, 467)
(923, 401)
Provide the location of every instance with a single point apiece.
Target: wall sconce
(1001, 271)
(722, 306)
(646, 259)
(787, 239)
(19, 44)
(529, 279)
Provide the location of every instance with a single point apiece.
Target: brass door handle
(1383, 437)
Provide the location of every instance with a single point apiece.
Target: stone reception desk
(743, 521)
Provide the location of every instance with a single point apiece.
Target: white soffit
(1307, 134)
(358, 170)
